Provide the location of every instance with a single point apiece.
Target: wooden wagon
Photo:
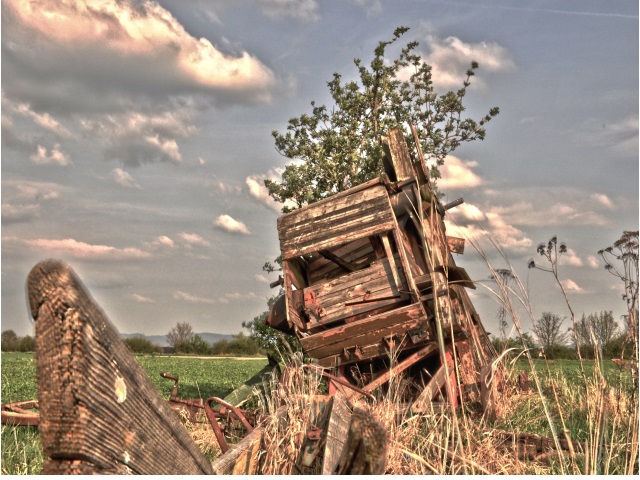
(369, 277)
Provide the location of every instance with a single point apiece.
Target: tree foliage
(180, 333)
(338, 148)
(269, 339)
(597, 330)
(548, 330)
(142, 345)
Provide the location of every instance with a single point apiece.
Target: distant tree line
(13, 343)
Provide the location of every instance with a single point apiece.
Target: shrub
(142, 345)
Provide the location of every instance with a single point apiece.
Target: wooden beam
(99, 412)
(338, 261)
(365, 449)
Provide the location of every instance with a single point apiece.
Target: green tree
(596, 330)
(268, 339)
(547, 329)
(8, 341)
(180, 333)
(338, 148)
(141, 345)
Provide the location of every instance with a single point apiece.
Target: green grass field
(199, 378)
(561, 383)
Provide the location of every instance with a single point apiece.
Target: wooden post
(99, 412)
(365, 450)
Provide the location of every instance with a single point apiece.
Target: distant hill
(162, 339)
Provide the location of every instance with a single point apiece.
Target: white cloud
(261, 278)
(570, 258)
(76, 249)
(603, 199)
(572, 286)
(165, 241)
(225, 222)
(451, 57)
(457, 174)
(193, 239)
(135, 138)
(112, 36)
(593, 262)
(187, 297)
(304, 10)
(257, 190)
(56, 157)
(621, 135)
(201, 161)
(468, 221)
(19, 213)
(235, 297)
(124, 178)
(141, 299)
(44, 119)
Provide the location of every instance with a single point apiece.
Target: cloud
(44, 120)
(124, 179)
(164, 241)
(135, 138)
(570, 258)
(603, 199)
(546, 206)
(621, 135)
(258, 191)
(457, 174)
(572, 286)
(593, 262)
(193, 239)
(19, 213)
(371, 7)
(140, 299)
(56, 157)
(235, 297)
(76, 249)
(187, 297)
(261, 278)
(98, 44)
(468, 221)
(451, 57)
(225, 222)
(304, 10)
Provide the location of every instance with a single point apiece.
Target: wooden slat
(395, 147)
(358, 253)
(339, 200)
(336, 433)
(99, 412)
(242, 458)
(365, 448)
(363, 332)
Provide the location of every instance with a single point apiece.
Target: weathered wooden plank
(327, 234)
(99, 412)
(343, 264)
(343, 236)
(436, 384)
(336, 432)
(344, 199)
(395, 147)
(394, 269)
(242, 458)
(363, 332)
(401, 367)
(335, 218)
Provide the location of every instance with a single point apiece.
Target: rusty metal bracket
(227, 411)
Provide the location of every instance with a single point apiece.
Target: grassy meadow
(602, 413)
(199, 378)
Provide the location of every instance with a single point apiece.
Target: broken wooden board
(242, 458)
(336, 433)
(99, 412)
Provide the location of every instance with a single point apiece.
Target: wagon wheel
(24, 413)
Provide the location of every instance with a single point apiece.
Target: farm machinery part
(371, 286)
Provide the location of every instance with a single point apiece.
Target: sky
(136, 137)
